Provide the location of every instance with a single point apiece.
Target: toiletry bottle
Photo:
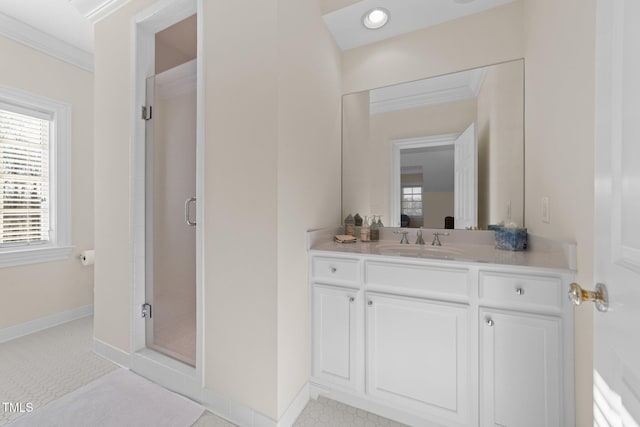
(349, 225)
(380, 224)
(365, 231)
(375, 230)
(358, 219)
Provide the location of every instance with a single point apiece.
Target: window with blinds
(24, 176)
(411, 202)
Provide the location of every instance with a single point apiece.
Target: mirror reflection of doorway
(170, 195)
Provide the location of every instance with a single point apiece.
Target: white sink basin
(416, 250)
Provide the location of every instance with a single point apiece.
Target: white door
(466, 179)
(617, 239)
(520, 375)
(334, 335)
(417, 355)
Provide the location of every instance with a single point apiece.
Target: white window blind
(412, 201)
(24, 176)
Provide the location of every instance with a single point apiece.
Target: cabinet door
(418, 356)
(520, 376)
(334, 335)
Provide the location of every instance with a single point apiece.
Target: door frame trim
(144, 25)
(397, 145)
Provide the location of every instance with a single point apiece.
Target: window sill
(13, 257)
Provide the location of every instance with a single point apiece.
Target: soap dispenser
(380, 224)
(365, 231)
(375, 230)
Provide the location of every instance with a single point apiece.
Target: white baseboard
(295, 409)
(111, 353)
(26, 328)
(244, 416)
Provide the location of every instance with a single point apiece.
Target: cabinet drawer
(443, 281)
(512, 290)
(345, 270)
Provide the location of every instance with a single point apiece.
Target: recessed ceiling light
(375, 18)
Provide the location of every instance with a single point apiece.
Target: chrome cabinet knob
(370, 302)
(333, 269)
(489, 321)
(519, 291)
(351, 299)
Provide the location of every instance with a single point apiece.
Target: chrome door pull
(600, 297)
(187, 211)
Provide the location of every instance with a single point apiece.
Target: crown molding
(43, 42)
(469, 90)
(422, 100)
(95, 10)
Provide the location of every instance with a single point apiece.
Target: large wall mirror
(443, 152)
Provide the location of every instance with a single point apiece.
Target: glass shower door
(170, 212)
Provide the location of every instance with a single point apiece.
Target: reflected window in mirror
(412, 204)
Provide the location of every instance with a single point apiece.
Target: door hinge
(147, 112)
(146, 310)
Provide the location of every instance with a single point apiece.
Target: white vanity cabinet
(521, 349)
(448, 343)
(335, 326)
(520, 369)
(417, 354)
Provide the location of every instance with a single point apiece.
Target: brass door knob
(600, 296)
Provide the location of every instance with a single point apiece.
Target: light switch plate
(546, 214)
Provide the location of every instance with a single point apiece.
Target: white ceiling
(57, 18)
(52, 24)
(405, 16)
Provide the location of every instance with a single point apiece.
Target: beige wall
(560, 113)
(266, 92)
(37, 290)
(501, 144)
(177, 44)
(436, 207)
(470, 42)
(113, 136)
(309, 127)
(241, 96)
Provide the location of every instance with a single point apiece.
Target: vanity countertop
(459, 247)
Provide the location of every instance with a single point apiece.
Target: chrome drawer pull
(333, 269)
(519, 291)
(489, 321)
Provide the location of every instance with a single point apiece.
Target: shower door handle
(187, 211)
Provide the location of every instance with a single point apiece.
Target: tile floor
(43, 366)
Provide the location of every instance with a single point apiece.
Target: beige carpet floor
(46, 365)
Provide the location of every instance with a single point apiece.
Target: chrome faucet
(436, 239)
(419, 239)
(404, 239)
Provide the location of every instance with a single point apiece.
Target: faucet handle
(436, 238)
(404, 236)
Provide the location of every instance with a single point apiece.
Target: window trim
(59, 247)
